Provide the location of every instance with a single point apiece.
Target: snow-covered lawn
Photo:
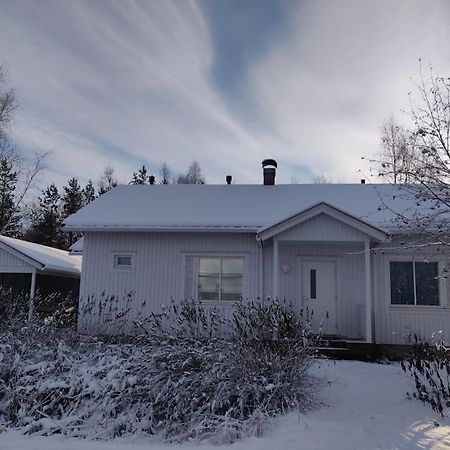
(365, 408)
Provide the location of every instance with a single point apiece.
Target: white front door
(319, 295)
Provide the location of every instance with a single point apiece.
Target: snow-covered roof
(77, 247)
(234, 207)
(47, 259)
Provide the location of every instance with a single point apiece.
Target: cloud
(127, 82)
(133, 82)
(341, 70)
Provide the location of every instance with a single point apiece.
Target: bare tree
(193, 175)
(426, 168)
(19, 174)
(8, 104)
(165, 173)
(396, 158)
(107, 180)
(322, 179)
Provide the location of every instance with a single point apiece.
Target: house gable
(11, 259)
(322, 222)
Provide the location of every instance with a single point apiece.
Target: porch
(320, 261)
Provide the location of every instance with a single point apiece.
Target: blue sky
(227, 82)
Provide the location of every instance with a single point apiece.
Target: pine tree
(140, 177)
(72, 201)
(46, 219)
(9, 215)
(88, 193)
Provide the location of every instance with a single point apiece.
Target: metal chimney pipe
(269, 173)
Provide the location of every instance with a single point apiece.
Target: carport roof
(47, 259)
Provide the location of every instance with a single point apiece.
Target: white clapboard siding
(8, 261)
(160, 262)
(394, 323)
(323, 228)
(350, 279)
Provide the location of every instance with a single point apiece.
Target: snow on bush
(429, 366)
(182, 379)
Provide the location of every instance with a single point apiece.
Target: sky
(224, 82)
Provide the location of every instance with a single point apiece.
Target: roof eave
(180, 229)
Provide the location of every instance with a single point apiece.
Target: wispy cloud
(132, 82)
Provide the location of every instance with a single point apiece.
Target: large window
(220, 278)
(414, 283)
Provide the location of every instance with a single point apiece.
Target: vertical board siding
(322, 228)
(393, 324)
(161, 261)
(10, 261)
(350, 280)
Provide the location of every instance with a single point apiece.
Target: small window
(220, 278)
(123, 262)
(313, 283)
(414, 283)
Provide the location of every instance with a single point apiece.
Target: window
(122, 261)
(313, 283)
(220, 278)
(414, 283)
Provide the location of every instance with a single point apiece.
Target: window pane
(232, 278)
(402, 283)
(427, 283)
(122, 260)
(233, 265)
(220, 278)
(313, 293)
(209, 279)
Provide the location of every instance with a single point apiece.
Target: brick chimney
(269, 171)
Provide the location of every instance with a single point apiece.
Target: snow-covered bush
(181, 379)
(429, 366)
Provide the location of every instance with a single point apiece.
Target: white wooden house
(333, 249)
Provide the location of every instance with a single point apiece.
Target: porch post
(368, 269)
(32, 293)
(275, 269)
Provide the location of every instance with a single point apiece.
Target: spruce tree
(9, 215)
(88, 193)
(140, 177)
(46, 220)
(72, 201)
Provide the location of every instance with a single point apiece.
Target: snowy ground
(365, 408)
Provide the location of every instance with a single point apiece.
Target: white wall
(350, 279)
(158, 275)
(394, 323)
(10, 262)
(162, 262)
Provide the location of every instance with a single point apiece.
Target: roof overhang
(169, 228)
(44, 268)
(287, 223)
(32, 262)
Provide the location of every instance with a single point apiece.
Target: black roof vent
(269, 172)
(269, 162)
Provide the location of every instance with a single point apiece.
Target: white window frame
(116, 268)
(441, 282)
(198, 256)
